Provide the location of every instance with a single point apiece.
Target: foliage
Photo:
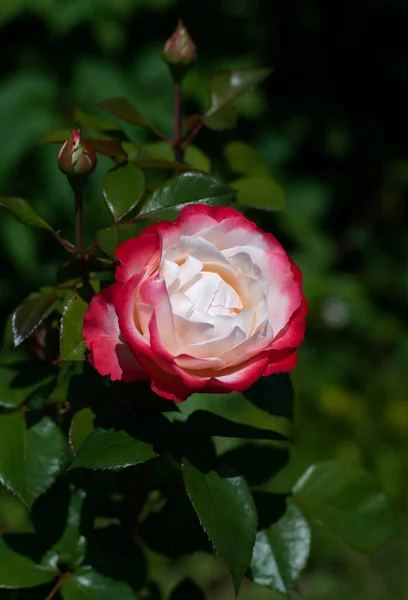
(342, 311)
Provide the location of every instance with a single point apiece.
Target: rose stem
(79, 216)
(177, 141)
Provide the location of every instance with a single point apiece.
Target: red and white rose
(208, 303)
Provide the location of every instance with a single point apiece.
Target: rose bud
(180, 48)
(76, 157)
(207, 303)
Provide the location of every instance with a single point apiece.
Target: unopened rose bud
(180, 48)
(76, 157)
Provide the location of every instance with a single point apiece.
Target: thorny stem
(177, 140)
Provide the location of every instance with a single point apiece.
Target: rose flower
(208, 303)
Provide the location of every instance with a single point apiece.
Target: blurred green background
(329, 122)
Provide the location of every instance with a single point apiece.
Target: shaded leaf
(206, 423)
(30, 313)
(87, 584)
(123, 187)
(122, 108)
(55, 137)
(110, 238)
(259, 192)
(95, 124)
(71, 547)
(164, 151)
(188, 188)
(111, 148)
(245, 160)
(110, 449)
(227, 512)
(273, 394)
(281, 551)
(20, 380)
(349, 501)
(23, 212)
(30, 457)
(224, 117)
(72, 345)
(81, 427)
(229, 86)
(19, 571)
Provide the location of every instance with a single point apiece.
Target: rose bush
(208, 303)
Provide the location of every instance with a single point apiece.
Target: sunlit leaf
(281, 551)
(72, 345)
(30, 314)
(227, 512)
(186, 188)
(123, 187)
(349, 501)
(23, 212)
(30, 457)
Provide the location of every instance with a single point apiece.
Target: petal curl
(110, 353)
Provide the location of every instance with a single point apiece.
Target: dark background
(331, 123)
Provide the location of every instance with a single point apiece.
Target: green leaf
(72, 345)
(259, 192)
(72, 545)
(245, 160)
(18, 571)
(223, 118)
(122, 108)
(123, 187)
(30, 314)
(87, 584)
(187, 188)
(207, 423)
(227, 87)
(226, 510)
(81, 427)
(95, 124)
(273, 394)
(30, 457)
(110, 148)
(349, 501)
(55, 137)
(164, 151)
(23, 212)
(110, 449)
(20, 380)
(281, 552)
(110, 238)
